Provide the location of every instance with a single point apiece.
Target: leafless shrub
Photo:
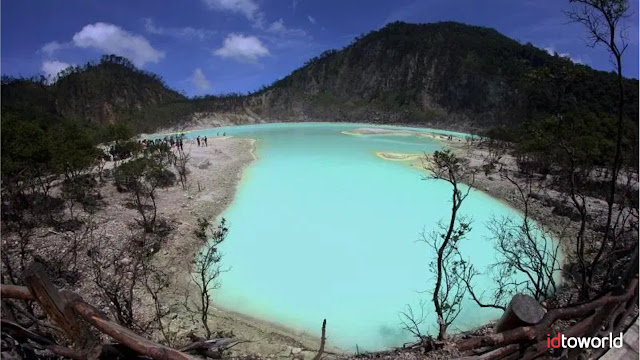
(207, 269)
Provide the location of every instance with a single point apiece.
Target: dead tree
(449, 289)
(412, 319)
(116, 277)
(495, 152)
(103, 158)
(323, 339)
(141, 177)
(180, 163)
(207, 269)
(527, 247)
(78, 240)
(121, 275)
(603, 21)
(576, 175)
(155, 282)
(78, 321)
(529, 259)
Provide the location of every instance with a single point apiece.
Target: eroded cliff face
(444, 74)
(400, 74)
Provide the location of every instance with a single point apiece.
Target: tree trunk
(523, 310)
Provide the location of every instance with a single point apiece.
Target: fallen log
(66, 308)
(123, 335)
(18, 331)
(211, 347)
(16, 292)
(523, 310)
(538, 331)
(498, 353)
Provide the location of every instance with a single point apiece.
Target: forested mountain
(110, 89)
(448, 75)
(93, 96)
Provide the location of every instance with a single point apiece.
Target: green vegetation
(207, 269)
(141, 177)
(444, 74)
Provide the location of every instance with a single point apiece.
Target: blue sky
(220, 46)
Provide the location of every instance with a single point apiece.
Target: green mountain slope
(94, 96)
(111, 89)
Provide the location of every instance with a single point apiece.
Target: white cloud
(51, 47)
(551, 50)
(242, 48)
(183, 32)
(199, 80)
(52, 68)
(278, 27)
(112, 39)
(311, 19)
(248, 8)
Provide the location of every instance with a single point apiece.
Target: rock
(296, 350)
(125, 261)
(204, 164)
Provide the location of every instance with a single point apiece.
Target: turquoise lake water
(321, 227)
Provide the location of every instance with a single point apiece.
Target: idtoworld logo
(561, 341)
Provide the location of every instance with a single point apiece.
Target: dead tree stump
(523, 310)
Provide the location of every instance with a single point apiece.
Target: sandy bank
(365, 131)
(394, 156)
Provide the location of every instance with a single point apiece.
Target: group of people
(202, 141)
(172, 141)
(176, 140)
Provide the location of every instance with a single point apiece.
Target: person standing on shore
(198, 140)
(205, 141)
